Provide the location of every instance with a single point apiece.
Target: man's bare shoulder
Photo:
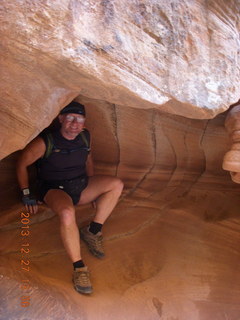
(34, 150)
(37, 142)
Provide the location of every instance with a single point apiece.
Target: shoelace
(82, 277)
(97, 242)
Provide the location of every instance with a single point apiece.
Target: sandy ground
(174, 258)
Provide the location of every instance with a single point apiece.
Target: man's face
(72, 124)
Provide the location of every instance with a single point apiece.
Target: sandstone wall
(179, 57)
(156, 77)
(148, 149)
(172, 243)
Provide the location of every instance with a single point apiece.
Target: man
(66, 179)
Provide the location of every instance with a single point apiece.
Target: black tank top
(67, 160)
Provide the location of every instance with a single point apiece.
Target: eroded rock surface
(179, 57)
(172, 242)
(231, 159)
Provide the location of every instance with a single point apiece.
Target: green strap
(84, 139)
(49, 145)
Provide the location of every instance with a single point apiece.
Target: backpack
(50, 147)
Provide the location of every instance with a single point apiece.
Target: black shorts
(73, 187)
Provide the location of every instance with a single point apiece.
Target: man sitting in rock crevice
(66, 179)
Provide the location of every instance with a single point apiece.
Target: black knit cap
(74, 107)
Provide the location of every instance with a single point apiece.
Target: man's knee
(67, 216)
(118, 185)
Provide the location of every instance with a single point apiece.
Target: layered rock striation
(155, 79)
(179, 57)
(231, 158)
(172, 243)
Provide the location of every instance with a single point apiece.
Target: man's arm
(32, 152)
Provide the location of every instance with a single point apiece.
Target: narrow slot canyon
(161, 106)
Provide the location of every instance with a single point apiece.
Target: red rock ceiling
(172, 243)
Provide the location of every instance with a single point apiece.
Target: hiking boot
(81, 280)
(93, 241)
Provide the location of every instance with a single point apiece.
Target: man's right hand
(30, 203)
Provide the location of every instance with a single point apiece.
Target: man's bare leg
(61, 203)
(105, 190)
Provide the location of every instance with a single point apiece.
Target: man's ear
(60, 118)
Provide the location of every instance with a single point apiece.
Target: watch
(26, 192)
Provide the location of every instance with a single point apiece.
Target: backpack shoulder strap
(86, 138)
(48, 139)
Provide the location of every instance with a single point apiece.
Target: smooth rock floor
(174, 258)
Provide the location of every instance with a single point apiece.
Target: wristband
(28, 199)
(26, 192)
